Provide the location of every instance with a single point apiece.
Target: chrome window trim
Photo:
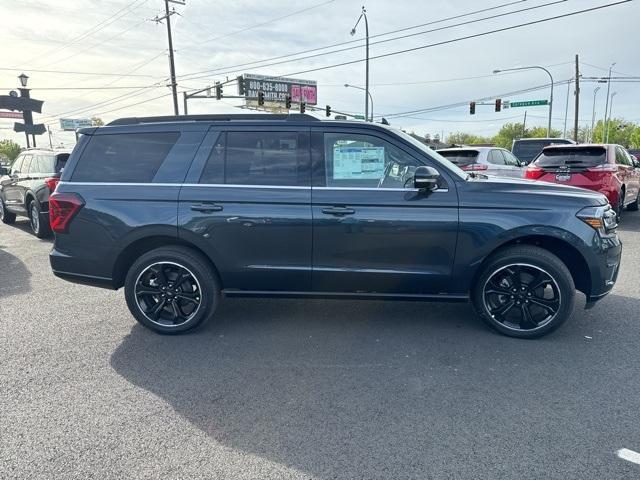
(225, 185)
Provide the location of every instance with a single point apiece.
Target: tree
(620, 132)
(9, 149)
(462, 138)
(97, 121)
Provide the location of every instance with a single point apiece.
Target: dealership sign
(73, 124)
(276, 88)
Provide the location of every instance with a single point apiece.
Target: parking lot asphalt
(299, 389)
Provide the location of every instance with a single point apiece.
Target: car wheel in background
(39, 226)
(524, 291)
(635, 205)
(6, 216)
(172, 289)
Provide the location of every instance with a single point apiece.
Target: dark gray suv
(183, 210)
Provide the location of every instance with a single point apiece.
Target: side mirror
(426, 178)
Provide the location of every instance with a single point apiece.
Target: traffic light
(327, 110)
(472, 108)
(498, 104)
(287, 101)
(218, 91)
(240, 80)
(260, 98)
(303, 106)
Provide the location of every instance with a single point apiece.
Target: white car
(488, 160)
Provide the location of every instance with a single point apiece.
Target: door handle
(338, 211)
(206, 207)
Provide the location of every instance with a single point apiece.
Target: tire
(620, 207)
(6, 216)
(633, 207)
(167, 305)
(529, 279)
(39, 227)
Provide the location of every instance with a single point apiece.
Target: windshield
(435, 156)
(571, 157)
(461, 158)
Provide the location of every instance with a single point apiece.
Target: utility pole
(575, 120)
(172, 67)
(566, 110)
(524, 125)
(605, 123)
(50, 142)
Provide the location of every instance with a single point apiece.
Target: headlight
(602, 218)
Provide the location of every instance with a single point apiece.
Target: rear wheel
(524, 291)
(171, 290)
(620, 207)
(5, 215)
(39, 225)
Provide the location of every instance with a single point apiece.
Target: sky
(108, 59)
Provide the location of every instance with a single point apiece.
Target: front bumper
(605, 265)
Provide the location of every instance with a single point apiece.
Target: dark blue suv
(183, 210)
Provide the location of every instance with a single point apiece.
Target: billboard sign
(73, 124)
(276, 88)
(17, 115)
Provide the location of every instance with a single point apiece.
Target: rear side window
(572, 157)
(127, 157)
(42, 164)
(461, 158)
(258, 158)
(61, 162)
(495, 157)
(621, 157)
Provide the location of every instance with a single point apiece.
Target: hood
(521, 192)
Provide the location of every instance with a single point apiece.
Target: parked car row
(25, 187)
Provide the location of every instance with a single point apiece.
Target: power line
(221, 70)
(266, 22)
(458, 39)
(93, 88)
(96, 28)
(72, 72)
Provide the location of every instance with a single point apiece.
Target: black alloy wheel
(522, 297)
(524, 291)
(168, 294)
(172, 289)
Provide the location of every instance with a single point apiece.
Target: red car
(607, 169)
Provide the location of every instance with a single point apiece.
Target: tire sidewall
(550, 264)
(209, 287)
(43, 228)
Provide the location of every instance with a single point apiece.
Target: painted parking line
(629, 455)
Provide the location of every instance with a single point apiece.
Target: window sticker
(358, 162)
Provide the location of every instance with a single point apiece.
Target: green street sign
(529, 103)
(359, 117)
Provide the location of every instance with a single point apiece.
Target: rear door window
(259, 158)
(26, 164)
(510, 159)
(621, 157)
(124, 157)
(581, 157)
(495, 157)
(461, 158)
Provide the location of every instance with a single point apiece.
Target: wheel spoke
(144, 290)
(176, 312)
(497, 291)
(503, 309)
(158, 308)
(188, 297)
(527, 322)
(162, 278)
(550, 306)
(540, 280)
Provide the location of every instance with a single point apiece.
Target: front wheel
(171, 289)
(524, 291)
(5, 215)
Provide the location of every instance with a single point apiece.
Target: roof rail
(299, 117)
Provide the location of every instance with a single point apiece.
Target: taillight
(51, 183)
(598, 172)
(533, 172)
(62, 208)
(474, 167)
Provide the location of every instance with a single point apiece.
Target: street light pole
(610, 110)
(366, 89)
(606, 105)
(550, 96)
(370, 99)
(593, 115)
